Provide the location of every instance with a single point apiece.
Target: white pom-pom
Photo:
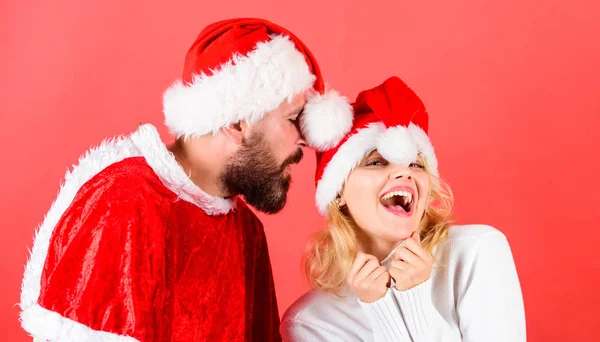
(326, 120)
(425, 148)
(398, 146)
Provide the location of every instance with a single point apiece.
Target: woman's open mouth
(399, 202)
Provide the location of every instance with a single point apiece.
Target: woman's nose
(401, 171)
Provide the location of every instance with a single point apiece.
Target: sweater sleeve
(489, 305)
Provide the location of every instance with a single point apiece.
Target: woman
(391, 266)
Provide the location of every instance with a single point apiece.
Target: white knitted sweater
(473, 294)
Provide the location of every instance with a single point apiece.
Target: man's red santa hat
(389, 118)
(239, 70)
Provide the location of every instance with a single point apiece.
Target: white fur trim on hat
(243, 89)
(425, 148)
(348, 156)
(326, 120)
(398, 144)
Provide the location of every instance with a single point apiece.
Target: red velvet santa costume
(132, 250)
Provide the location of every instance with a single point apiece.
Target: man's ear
(236, 132)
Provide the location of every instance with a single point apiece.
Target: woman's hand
(411, 265)
(368, 278)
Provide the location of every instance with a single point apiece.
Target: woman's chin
(398, 231)
(398, 226)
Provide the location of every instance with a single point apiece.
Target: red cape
(139, 253)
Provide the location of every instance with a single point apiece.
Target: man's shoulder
(136, 168)
(117, 163)
(130, 177)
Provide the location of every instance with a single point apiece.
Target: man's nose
(300, 141)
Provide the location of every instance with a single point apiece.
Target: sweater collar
(387, 262)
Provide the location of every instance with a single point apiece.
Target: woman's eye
(375, 162)
(417, 165)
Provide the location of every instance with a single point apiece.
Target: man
(151, 243)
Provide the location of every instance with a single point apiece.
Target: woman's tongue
(397, 204)
(397, 208)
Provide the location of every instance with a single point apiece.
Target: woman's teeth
(405, 194)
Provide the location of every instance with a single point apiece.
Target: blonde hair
(330, 253)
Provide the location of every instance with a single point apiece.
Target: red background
(511, 87)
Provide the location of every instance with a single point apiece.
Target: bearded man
(148, 242)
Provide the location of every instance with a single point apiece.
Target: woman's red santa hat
(239, 70)
(389, 118)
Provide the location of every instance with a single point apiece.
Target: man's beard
(254, 173)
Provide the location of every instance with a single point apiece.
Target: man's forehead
(299, 99)
(296, 104)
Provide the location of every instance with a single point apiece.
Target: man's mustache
(295, 158)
